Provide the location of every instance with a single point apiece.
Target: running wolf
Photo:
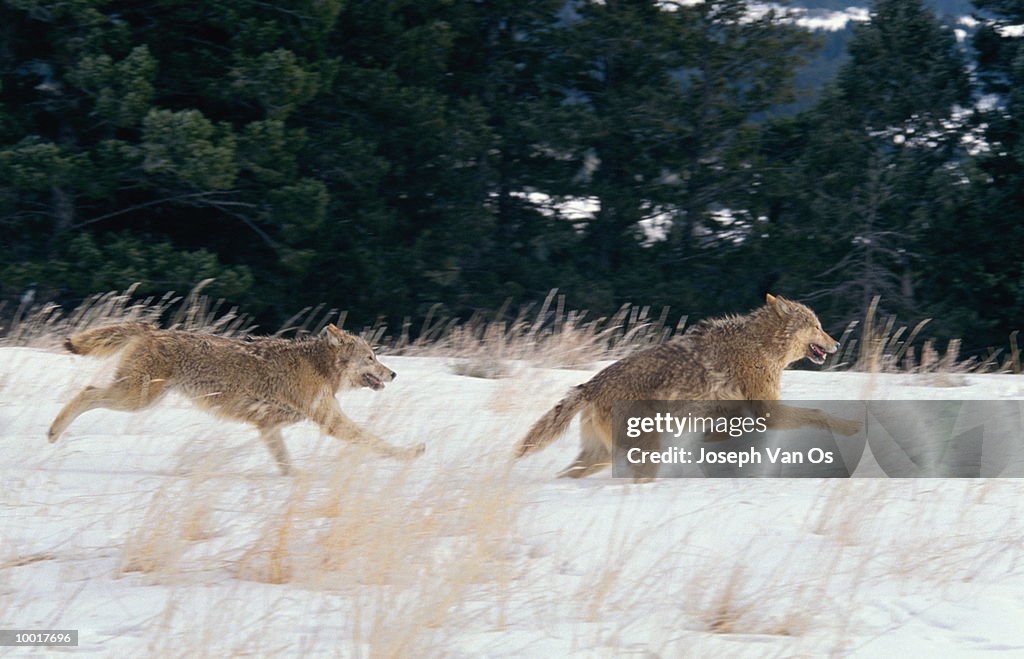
(267, 382)
(731, 358)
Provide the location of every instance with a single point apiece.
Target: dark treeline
(383, 156)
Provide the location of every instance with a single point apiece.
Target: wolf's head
(355, 360)
(802, 331)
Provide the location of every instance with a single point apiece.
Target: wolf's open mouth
(817, 354)
(373, 382)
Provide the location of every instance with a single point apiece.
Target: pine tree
(662, 104)
(880, 143)
(131, 133)
(399, 153)
(978, 280)
(503, 64)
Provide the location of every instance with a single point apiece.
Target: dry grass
(409, 552)
(44, 325)
(494, 345)
(880, 345)
(857, 543)
(746, 590)
(487, 345)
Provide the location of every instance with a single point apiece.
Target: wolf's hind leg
(594, 454)
(589, 461)
(271, 436)
(126, 395)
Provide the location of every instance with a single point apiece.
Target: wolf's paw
(52, 435)
(845, 427)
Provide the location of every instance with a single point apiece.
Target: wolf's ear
(779, 304)
(337, 336)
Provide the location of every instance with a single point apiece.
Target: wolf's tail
(104, 341)
(552, 425)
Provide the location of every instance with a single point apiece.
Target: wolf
(267, 382)
(739, 357)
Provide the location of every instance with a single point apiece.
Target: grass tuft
(495, 345)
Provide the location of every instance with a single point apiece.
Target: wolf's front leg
(784, 416)
(333, 422)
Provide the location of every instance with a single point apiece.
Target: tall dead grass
(881, 345)
(45, 325)
(494, 345)
(487, 344)
(410, 553)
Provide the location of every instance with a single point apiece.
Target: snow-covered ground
(169, 532)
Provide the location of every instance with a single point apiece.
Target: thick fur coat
(731, 358)
(266, 382)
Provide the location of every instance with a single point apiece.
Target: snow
(814, 19)
(169, 532)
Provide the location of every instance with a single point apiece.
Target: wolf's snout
(832, 349)
(393, 375)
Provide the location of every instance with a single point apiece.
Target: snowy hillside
(169, 532)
